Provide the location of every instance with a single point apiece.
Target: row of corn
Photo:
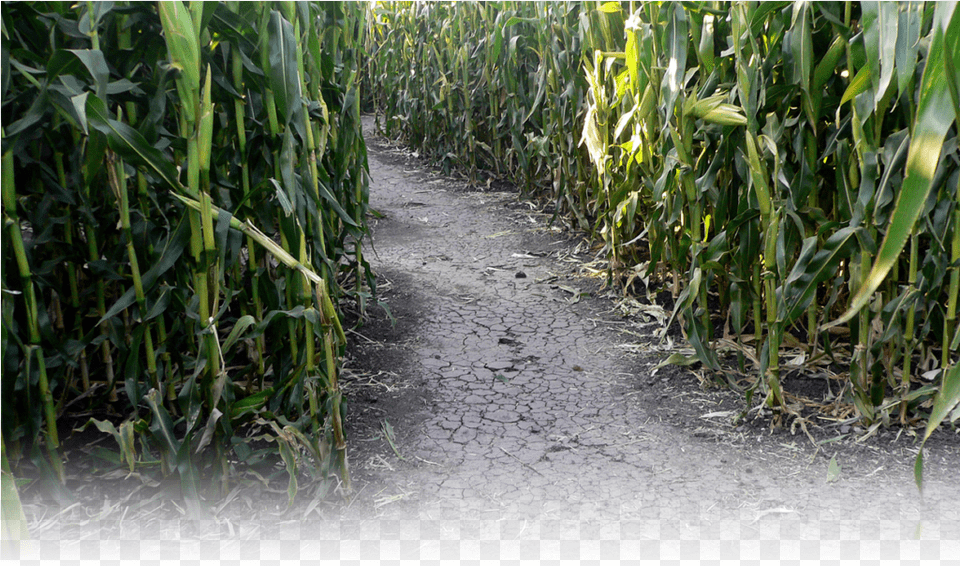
(184, 197)
(789, 169)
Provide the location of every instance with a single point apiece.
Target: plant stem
(908, 342)
(950, 320)
(118, 183)
(72, 277)
(12, 221)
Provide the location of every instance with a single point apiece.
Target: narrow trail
(527, 433)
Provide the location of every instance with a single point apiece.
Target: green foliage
(490, 87)
(189, 185)
(778, 156)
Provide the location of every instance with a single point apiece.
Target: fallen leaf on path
(718, 414)
(833, 470)
(774, 511)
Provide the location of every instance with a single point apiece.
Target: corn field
(185, 188)
(790, 170)
(184, 200)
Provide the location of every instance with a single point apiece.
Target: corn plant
(185, 193)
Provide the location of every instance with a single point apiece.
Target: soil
(510, 406)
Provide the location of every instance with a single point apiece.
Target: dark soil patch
(379, 384)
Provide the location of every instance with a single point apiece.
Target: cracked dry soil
(521, 426)
(513, 413)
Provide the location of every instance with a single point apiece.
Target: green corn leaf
(132, 146)
(95, 62)
(209, 429)
(951, 63)
(239, 327)
(706, 45)
(678, 359)
(190, 484)
(935, 114)
(327, 195)
(282, 197)
(189, 399)
(889, 22)
(250, 404)
(947, 398)
(880, 21)
(859, 84)
(290, 462)
(918, 470)
(284, 77)
(107, 455)
(207, 11)
(78, 110)
(93, 16)
(700, 345)
(828, 64)
(675, 51)
(625, 120)
(31, 117)
(172, 252)
(497, 45)
(857, 54)
(63, 62)
(125, 437)
(759, 175)
(908, 43)
(514, 20)
(811, 269)
(161, 428)
(802, 45)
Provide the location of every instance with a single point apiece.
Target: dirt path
(512, 412)
(525, 430)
